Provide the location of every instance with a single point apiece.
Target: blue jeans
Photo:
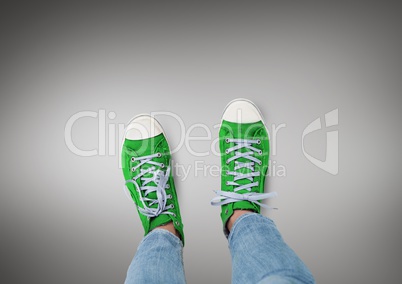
(259, 255)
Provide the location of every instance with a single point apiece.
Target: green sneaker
(146, 163)
(244, 147)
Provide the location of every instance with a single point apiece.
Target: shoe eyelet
(227, 140)
(159, 155)
(132, 159)
(226, 211)
(260, 163)
(258, 141)
(177, 223)
(132, 169)
(162, 165)
(227, 183)
(227, 162)
(174, 215)
(172, 206)
(167, 186)
(260, 152)
(169, 196)
(226, 151)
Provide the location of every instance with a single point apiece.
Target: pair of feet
(244, 148)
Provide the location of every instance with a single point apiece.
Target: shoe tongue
(146, 147)
(245, 170)
(151, 195)
(245, 205)
(162, 218)
(244, 131)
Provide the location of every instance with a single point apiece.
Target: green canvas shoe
(244, 148)
(146, 163)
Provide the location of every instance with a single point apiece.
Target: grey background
(66, 219)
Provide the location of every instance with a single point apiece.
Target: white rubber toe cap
(142, 127)
(242, 111)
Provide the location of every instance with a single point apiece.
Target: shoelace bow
(225, 197)
(159, 178)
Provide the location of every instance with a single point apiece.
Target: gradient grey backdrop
(66, 219)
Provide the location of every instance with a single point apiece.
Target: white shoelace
(160, 179)
(225, 197)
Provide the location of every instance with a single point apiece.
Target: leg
(146, 164)
(159, 259)
(259, 254)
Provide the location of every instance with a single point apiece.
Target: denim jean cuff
(231, 233)
(168, 234)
